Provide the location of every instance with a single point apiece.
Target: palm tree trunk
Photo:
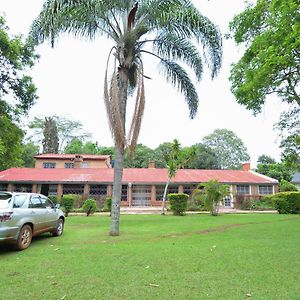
(117, 191)
(119, 157)
(163, 208)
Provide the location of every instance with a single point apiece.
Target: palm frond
(180, 79)
(178, 48)
(138, 112)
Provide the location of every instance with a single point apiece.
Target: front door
(141, 195)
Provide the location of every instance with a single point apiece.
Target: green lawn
(160, 257)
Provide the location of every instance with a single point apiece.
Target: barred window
(3, 187)
(160, 189)
(98, 189)
(74, 189)
(49, 165)
(124, 195)
(188, 189)
(25, 188)
(265, 189)
(69, 165)
(243, 189)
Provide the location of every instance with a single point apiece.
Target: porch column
(109, 190)
(34, 188)
(86, 191)
(153, 195)
(59, 191)
(129, 194)
(10, 187)
(180, 189)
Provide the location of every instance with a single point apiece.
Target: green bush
(287, 202)
(178, 203)
(107, 205)
(286, 186)
(89, 206)
(67, 202)
(254, 203)
(53, 198)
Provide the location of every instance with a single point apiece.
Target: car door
(37, 212)
(50, 217)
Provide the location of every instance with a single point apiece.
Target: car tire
(59, 228)
(24, 238)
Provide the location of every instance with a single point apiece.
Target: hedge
(287, 202)
(178, 203)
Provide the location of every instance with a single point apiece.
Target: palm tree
(171, 28)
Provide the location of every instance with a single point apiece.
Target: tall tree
(67, 130)
(17, 91)
(169, 26)
(11, 149)
(270, 30)
(289, 132)
(205, 158)
(50, 141)
(230, 149)
(140, 158)
(29, 151)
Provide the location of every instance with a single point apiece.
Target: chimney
(77, 161)
(246, 167)
(151, 164)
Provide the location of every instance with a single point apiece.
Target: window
(84, 165)
(49, 165)
(160, 189)
(188, 189)
(24, 188)
(124, 193)
(265, 189)
(69, 165)
(243, 189)
(3, 187)
(19, 201)
(35, 203)
(98, 189)
(75, 189)
(46, 203)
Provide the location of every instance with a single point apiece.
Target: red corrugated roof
(72, 156)
(130, 175)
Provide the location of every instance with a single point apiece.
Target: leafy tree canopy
(265, 159)
(17, 91)
(277, 171)
(140, 158)
(270, 30)
(11, 149)
(289, 132)
(67, 130)
(229, 148)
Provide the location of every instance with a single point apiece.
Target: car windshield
(5, 199)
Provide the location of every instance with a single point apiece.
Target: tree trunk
(117, 190)
(163, 208)
(119, 157)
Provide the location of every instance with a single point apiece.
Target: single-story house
(141, 187)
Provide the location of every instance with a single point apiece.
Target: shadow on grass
(8, 248)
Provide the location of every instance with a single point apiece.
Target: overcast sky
(69, 79)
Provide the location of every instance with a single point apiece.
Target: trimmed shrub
(89, 206)
(67, 202)
(254, 203)
(286, 186)
(107, 205)
(178, 203)
(287, 202)
(53, 198)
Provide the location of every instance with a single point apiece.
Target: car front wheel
(59, 228)
(24, 238)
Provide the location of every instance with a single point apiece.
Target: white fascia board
(265, 177)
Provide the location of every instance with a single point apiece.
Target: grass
(160, 257)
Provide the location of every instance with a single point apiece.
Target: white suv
(24, 215)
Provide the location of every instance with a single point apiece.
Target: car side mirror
(57, 206)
